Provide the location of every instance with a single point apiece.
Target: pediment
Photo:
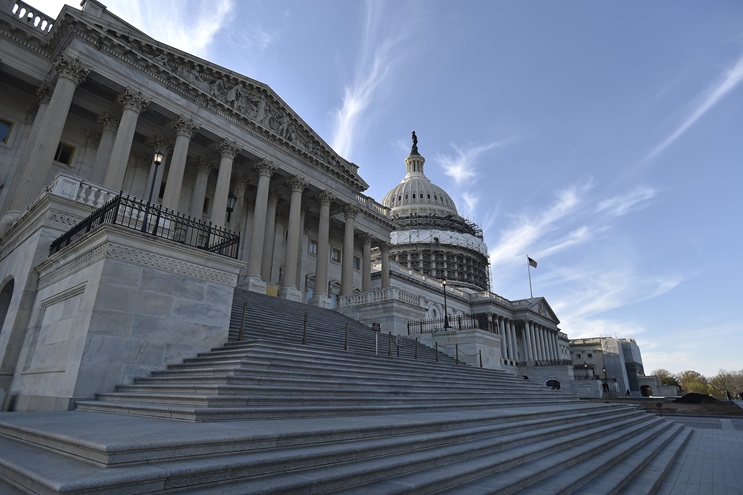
(242, 100)
(542, 308)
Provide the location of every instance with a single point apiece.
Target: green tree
(665, 377)
(693, 382)
(724, 382)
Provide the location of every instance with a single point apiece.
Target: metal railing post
(436, 350)
(241, 335)
(389, 345)
(416, 348)
(345, 345)
(480, 351)
(304, 333)
(456, 347)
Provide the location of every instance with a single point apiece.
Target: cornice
(214, 88)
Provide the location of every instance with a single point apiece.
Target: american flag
(532, 262)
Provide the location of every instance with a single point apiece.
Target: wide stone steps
(327, 463)
(334, 383)
(325, 328)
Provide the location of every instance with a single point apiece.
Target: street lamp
(157, 159)
(231, 200)
(446, 312)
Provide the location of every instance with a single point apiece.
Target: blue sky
(603, 139)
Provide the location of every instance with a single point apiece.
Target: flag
(532, 262)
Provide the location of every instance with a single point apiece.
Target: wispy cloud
(378, 55)
(462, 166)
(634, 200)
(730, 79)
(526, 231)
(189, 25)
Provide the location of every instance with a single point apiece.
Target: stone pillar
(543, 342)
(349, 212)
(109, 122)
(134, 104)
(241, 183)
(385, 251)
(265, 170)
(161, 145)
(500, 321)
(514, 341)
(528, 349)
(228, 151)
(507, 337)
(366, 262)
(185, 130)
(36, 162)
(270, 236)
(198, 195)
(320, 296)
(300, 247)
(289, 287)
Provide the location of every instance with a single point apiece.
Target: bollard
(304, 333)
(241, 335)
(345, 346)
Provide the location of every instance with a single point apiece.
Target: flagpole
(528, 269)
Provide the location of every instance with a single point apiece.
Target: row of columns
(538, 342)
(112, 156)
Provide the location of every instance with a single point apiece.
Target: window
(590, 355)
(578, 355)
(64, 153)
(335, 255)
(312, 249)
(5, 128)
(356, 263)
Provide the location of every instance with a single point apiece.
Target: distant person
(627, 394)
(730, 397)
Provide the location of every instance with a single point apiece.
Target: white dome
(416, 194)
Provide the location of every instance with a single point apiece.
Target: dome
(416, 194)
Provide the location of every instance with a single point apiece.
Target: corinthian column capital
(326, 198)
(70, 68)
(185, 127)
(265, 168)
(133, 100)
(297, 184)
(228, 148)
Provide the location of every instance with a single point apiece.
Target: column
(349, 212)
(158, 144)
(134, 103)
(265, 170)
(504, 346)
(270, 237)
(505, 331)
(241, 183)
(542, 344)
(109, 122)
(300, 247)
(185, 130)
(385, 250)
(198, 195)
(228, 151)
(366, 262)
(514, 340)
(528, 343)
(289, 287)
(320, 296)
(36, 162)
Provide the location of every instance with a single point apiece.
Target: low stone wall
(115, 306)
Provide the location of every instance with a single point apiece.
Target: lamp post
(231, 200)
(446, 311)
(157, 159)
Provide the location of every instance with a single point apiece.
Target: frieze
(240, 100)
(64, 271)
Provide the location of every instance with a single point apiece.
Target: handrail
(133, 213)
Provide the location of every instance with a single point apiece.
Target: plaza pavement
(712, 462)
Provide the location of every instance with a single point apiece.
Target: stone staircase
(271, 415)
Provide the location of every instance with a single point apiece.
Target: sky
(602, 139)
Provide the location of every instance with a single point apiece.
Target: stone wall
(115, 306)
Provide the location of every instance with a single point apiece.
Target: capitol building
(141, 185)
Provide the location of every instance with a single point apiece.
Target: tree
(724, 382)
(665, 377)
(692, 382)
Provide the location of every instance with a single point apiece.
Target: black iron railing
(462, 322)
(154, 220)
